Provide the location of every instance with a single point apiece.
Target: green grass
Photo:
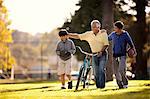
(138, 89)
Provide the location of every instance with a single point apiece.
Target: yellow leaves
(6, 60)
(6, 36)
(12, 60)
(1, 1)
(3, 9)
(3, 48)
(8, 22)
(2, 26)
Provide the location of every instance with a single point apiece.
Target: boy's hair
(63, 32)
(119, 24)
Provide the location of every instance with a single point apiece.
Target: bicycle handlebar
(86, 53)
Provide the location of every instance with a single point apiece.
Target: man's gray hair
(96, 21)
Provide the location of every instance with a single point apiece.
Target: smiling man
(98, 41)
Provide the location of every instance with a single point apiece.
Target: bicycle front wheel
(79, 77)
(85, 78)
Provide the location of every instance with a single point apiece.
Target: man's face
(95, 27)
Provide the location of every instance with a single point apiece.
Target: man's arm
(73, 35)
(103, 49)
(105, 42)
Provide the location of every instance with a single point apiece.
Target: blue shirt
(119, 43)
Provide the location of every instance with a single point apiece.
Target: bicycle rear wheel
(79, 77)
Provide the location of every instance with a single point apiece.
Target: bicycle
(84, 69)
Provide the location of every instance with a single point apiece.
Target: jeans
(119, 68)
(99, 70)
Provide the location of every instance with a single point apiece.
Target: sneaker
(70, 85)
(120, 87)
(63, 88)
(120, 84)
(125, 86)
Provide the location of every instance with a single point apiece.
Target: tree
(141, 70)
(107, 23)
(6, 59)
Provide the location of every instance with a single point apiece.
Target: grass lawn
(138, 89)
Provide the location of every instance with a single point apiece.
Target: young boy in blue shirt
(120, 40)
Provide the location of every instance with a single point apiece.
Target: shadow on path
(4, 91)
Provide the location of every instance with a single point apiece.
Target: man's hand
(99, 54)
(73, 35)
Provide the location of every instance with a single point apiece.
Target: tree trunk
(107, 23)
(12, 73)
(141, 69)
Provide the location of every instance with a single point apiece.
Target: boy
(120, 38)
(65, 48)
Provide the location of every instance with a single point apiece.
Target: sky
(39, 16)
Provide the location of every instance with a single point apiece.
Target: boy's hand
(62, 53)
(67, 53)
(135, 52)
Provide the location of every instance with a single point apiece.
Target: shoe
(70, 85)
(120, 87)
(120, 84)
(63, 88)
(125, 86)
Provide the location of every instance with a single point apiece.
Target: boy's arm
(73, 48)
(129, 41)
(58, 50)
(110, 36)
